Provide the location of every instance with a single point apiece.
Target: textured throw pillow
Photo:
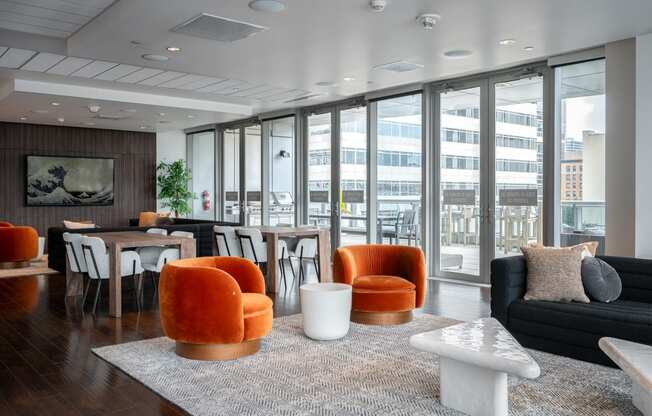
(554, 274)
(589, 248)
(164, 220)
(601, 281)
(147, 219)
(77, 225)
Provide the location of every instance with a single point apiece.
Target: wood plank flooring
(47, 367)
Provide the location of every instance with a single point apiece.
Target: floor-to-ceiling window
(231, 175)
(319, 169)
(581, 103)
(281, 176)
(518, 133)
(353, 176)
(253, 175)
(460, 211)
(202, 166)
(398, 170)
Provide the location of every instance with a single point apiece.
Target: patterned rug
(372, 371)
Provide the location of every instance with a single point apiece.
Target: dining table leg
(324, 248)
(115, 280)
(272, 255)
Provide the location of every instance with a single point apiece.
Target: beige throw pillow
(554, 274)
(77, 225)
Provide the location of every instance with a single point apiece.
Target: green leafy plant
(173, 182)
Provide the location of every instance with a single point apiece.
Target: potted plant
(173, 182)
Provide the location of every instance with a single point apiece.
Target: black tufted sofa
(573, 329)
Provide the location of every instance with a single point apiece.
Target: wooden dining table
(273, 234)
(118, 241)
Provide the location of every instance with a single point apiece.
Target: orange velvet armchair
(18, 245)
(215, 308)
(388, 281)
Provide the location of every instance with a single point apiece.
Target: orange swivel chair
(388, 281)
(18, 245)
(215, 308)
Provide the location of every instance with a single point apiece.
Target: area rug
(36, 268)
(372, 371)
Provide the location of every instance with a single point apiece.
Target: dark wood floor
(47, 367)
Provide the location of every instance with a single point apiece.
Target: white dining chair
(97, 261)
(160, 231)
(155, 258)
(74, 253)
(227, 241)
(305, 251)
(255, 249)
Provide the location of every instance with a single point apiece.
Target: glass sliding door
(253, 175)
(353, 176)
(281, 159)
(398, 170)
(581, 102)
(319, 170)
(202, 165)
(461, 206)
(518, 154)
(231, 175)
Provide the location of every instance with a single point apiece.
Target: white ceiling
(57, 18)
(320, 41)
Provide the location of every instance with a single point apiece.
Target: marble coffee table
(475, 358)
(636, 361)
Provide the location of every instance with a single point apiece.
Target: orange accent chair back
(17, 244)
(213, 301)
(385, 278)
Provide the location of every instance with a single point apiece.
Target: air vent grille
(399, 66)
(218, 28)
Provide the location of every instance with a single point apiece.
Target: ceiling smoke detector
(378, 5)
(94, 108)
(428, 20)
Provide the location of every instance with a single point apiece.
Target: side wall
(134, 183)
(644, 146)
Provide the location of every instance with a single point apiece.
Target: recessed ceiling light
(40, 111)
(23, 118)
(528, 48)
(129, 110)
(506, 42)
(269, 6)
(190, 116)
(88, 123)
(349, 79)
(157, 58)
(457, 53)
(55, 104)
(325, 84)
(145, 127)
(173, 49)
(61, 119)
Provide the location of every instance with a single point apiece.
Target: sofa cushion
(601, 281)
(381, 282)
(620, 319)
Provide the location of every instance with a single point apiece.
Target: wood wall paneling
(135, 172)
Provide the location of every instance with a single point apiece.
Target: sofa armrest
(636, 276)
(508, 283)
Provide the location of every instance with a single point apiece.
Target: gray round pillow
(601, 281)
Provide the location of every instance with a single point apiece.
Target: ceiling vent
(217, 28)
(303, 97)
(111, 117)
(399, 66)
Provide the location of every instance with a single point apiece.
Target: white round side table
(326, 309)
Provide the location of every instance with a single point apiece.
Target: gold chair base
(217, 352)
(381, 318)
(14, 264)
